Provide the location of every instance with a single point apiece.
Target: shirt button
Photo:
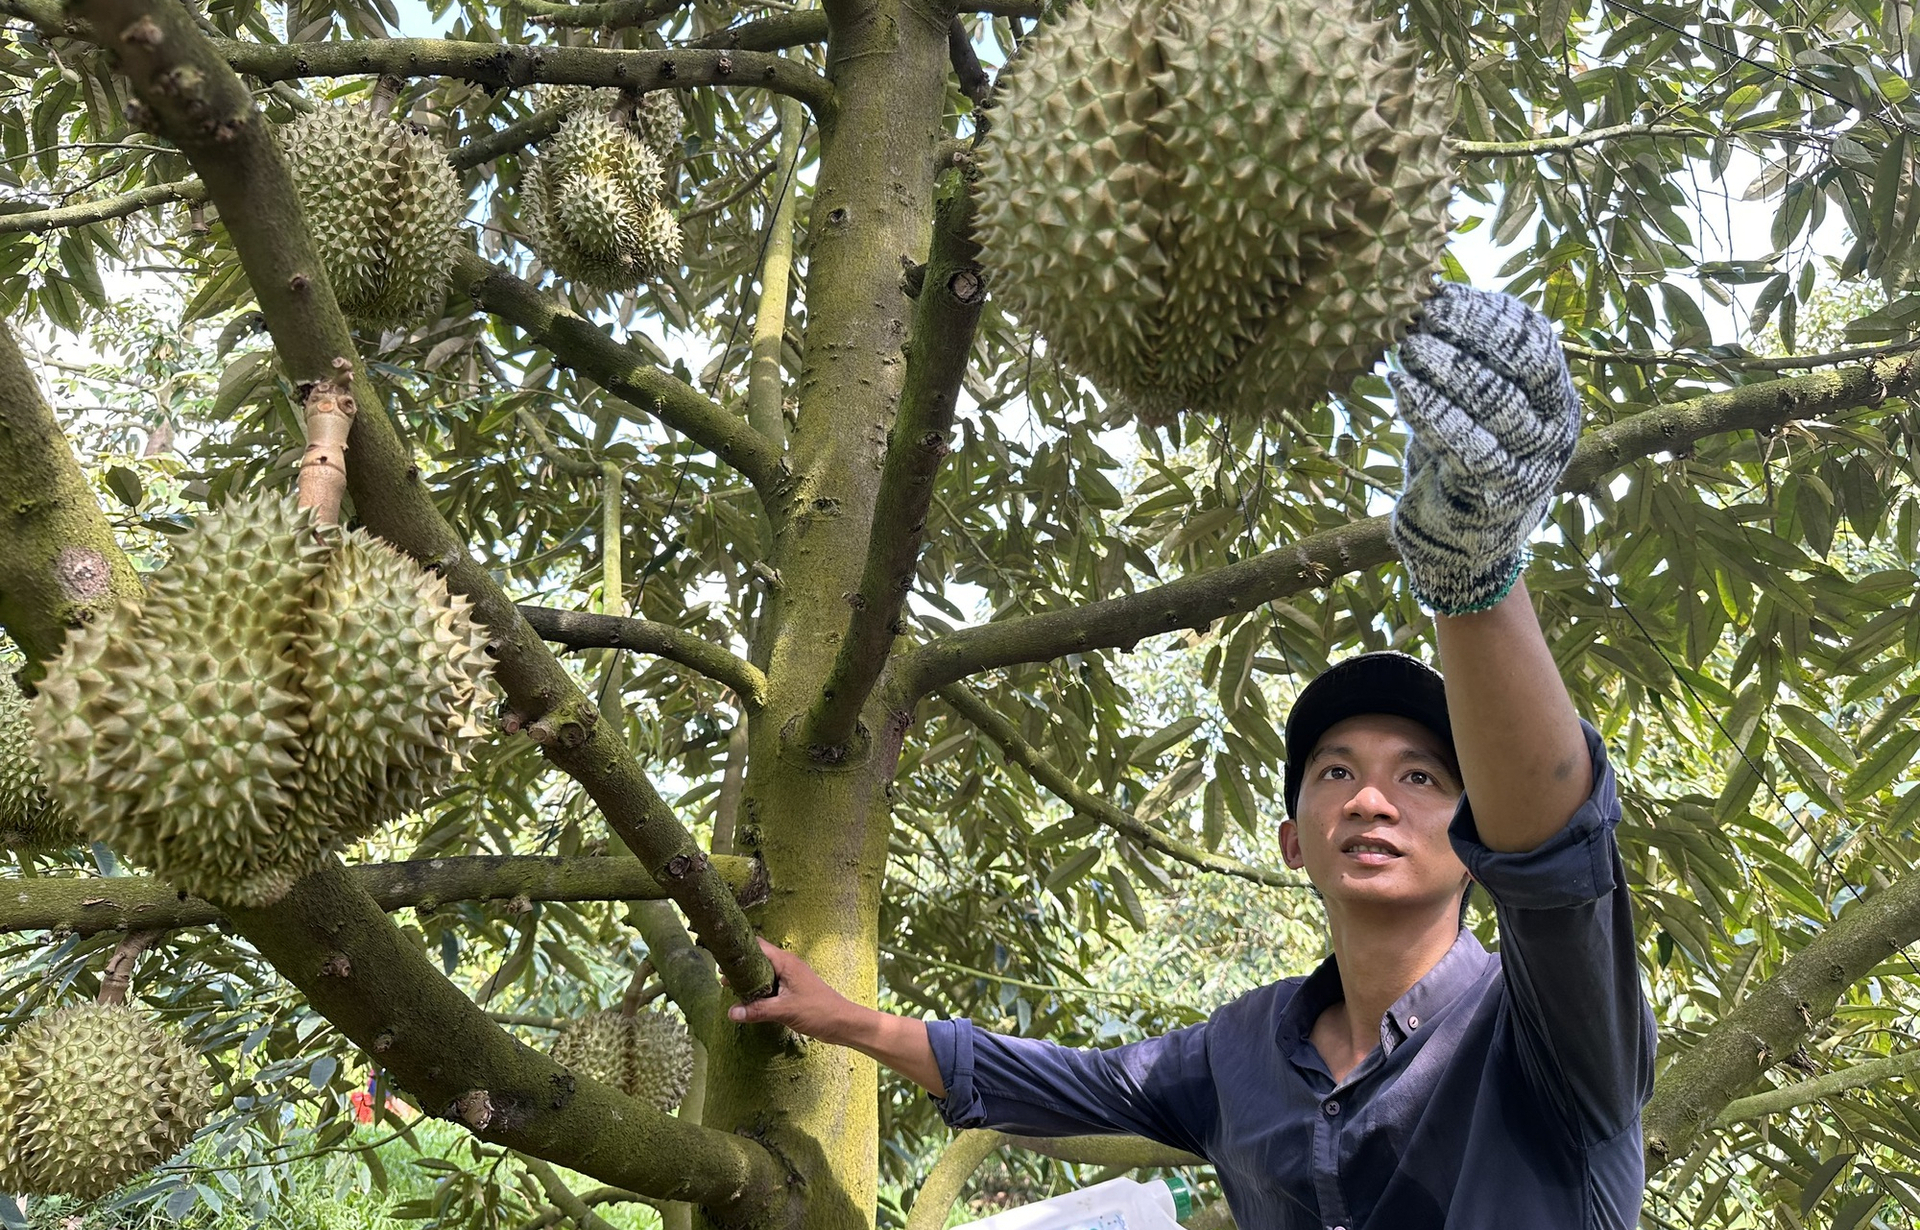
(1332, 1108)
(1413, 1022)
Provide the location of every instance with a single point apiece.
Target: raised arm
(1493, 418)
(1522, 755)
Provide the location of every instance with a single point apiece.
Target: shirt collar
(1459, 969)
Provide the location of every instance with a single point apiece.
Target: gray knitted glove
(1493, 418)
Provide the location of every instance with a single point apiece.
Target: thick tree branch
(948, 1178)
(119, 903)
(494, 65)
(946, 314)
(1195, 601)
(543, 1218)
(970, 705)
(766, 383)
(685, 971)
(499, 66)
(40, 221)
(536, 127)
(203, 108)
(1775, 1018)
(333, 942)
(611, 15)
(59, 564)
(585, 347)
(581, 630)
(769, 33)
(1807, 1092)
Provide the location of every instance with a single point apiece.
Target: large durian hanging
(383, 206)
(91, 1097)
(1231, 206)
(646, 1056)
(594, 204)
(28, 818)
(277, 692)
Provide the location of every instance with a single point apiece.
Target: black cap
(1383, 682)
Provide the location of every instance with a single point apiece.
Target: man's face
(1376, 797)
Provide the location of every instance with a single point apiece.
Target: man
(1413, 1080)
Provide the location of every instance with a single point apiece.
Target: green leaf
(1187, 777)
(1150, 748)
(125, 485)
(1888, 175)
(1067, 874)
(1818, 1181)
(1890, 759)
(1238, 794)
(1213, 815)
(1857, 1210)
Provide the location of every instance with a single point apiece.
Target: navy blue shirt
(1506, 1090)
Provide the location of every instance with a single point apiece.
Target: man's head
(1372, 783)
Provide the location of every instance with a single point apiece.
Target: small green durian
(91, 1097)
(384, 208)
(592, 201)
(28, 818)
(647, 1056)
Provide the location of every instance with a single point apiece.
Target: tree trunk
(819, 817)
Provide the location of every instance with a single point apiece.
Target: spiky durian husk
(383, 206)
(173, 729)
(595, 1046)
(244, 718)
(589, 200)
(396, 667)
(92, 1096)
(1224, 205)
(659, 1059)
(658, 119)
(28, 818)
(647, 1056)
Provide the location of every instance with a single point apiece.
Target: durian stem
(1313, 561)
(765, 385)
(686, 972)
(330, 408)
(948, 1178)
(638, 993)
(613, 597)
(116, 982)
(946, 316)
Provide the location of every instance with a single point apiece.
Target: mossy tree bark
(819, 816)
(59, 565)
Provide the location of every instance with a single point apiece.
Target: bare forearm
(808, 1006)
(1522, 754)
(895, 1042)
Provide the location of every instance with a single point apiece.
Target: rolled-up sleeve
(1160, 1088)
(1585, 1034)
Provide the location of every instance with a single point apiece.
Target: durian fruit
(384, 208)
(277, 691)
(593, 205)
(1231, 206)
(646, 1056)
(390, 682)
(28, 818)
(658, 120)
(92, 1096)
